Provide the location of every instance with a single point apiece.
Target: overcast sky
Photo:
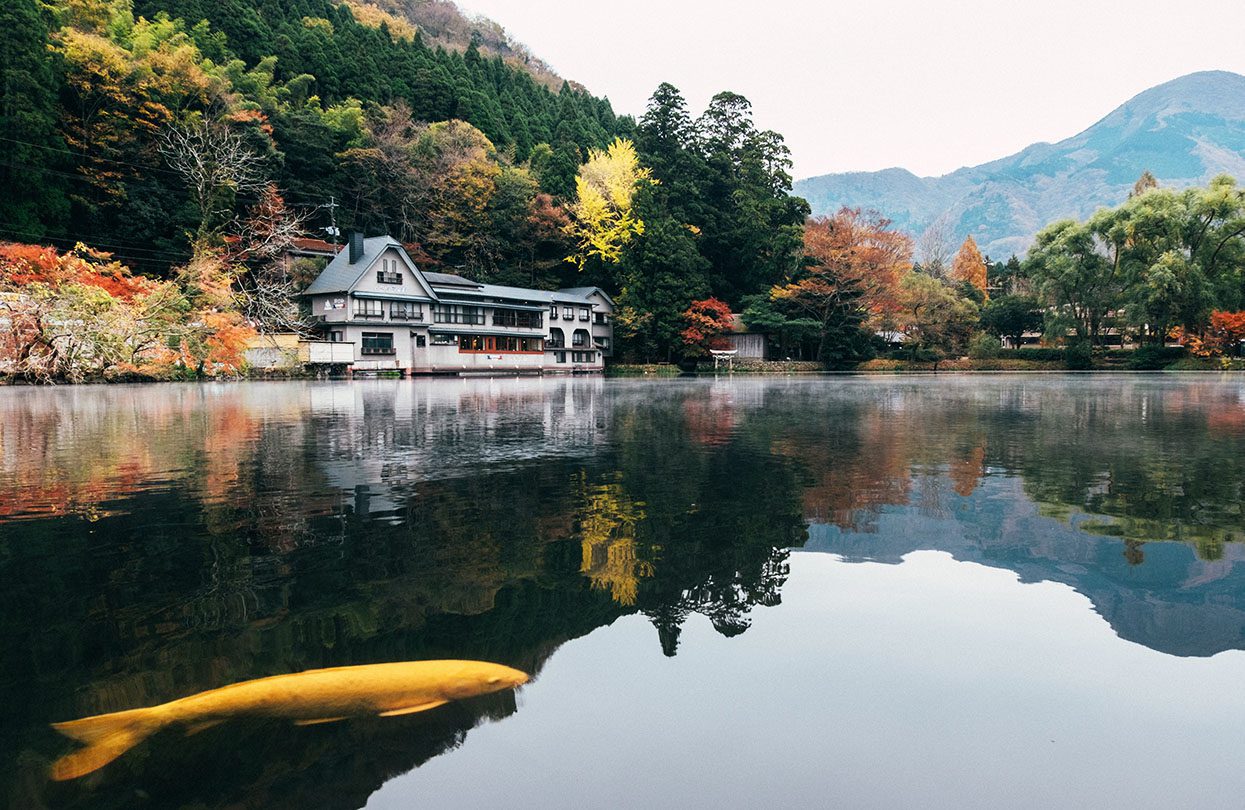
(930, 86)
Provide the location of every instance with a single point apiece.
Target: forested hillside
(91, 89)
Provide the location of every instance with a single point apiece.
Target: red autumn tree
(707, 321)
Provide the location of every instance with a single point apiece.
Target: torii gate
(724, 354)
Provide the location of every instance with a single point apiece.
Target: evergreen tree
(33, 201)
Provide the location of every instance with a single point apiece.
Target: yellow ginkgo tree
(602, 219)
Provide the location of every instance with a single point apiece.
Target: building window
(519, 320)
(421, 341)
(556, 338)
(337, 336)
(553, 312)
(500, 344)
(368, 308)
(560, 357)
(406, 311)
(378, 343)
(455, 313)
(603, 342)
(389, 273)
(585, 313)
(599, 318)
(444, 340)
(580, 338)
(583, 357)
(568, 313)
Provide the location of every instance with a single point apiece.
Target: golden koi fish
(315, 696)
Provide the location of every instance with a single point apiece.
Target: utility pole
(332, 229)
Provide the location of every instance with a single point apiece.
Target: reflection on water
(158, 542)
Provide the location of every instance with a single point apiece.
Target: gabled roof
(340, 275)
(586, 292)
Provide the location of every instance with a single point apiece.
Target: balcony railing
(371, 316)
(388, 278)
(378, 350)
(399, 315)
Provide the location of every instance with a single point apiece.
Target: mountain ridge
(1185, 131)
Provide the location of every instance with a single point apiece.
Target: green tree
(34, 198)
(1010, 316)
(661, 273)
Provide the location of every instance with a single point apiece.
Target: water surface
(936, 591)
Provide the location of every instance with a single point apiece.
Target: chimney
(356, 246)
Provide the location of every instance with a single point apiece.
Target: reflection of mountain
(1173, 602)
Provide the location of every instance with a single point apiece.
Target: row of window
(585, 313)
(398, 310)
(457, 313)
(381, 343)
(557, 339)
(374, 309)
(496, 344)
(576, 357)
(519, 320)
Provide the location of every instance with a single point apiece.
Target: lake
(939, 591)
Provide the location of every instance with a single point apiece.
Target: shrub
(1047, 355)
(1078, 356)
(984, 346)
(1153, 358)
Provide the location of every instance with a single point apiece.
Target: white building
(373, 296)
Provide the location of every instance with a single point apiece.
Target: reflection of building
(373, 296)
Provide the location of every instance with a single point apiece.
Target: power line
(135, 247)
(146, 168)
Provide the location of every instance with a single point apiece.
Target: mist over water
(940, 591)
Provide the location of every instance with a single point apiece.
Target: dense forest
(91, 86)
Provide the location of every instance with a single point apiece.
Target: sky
(929, 86)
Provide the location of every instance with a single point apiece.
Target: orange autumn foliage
(22, 264)
(969, 266)
(1224, 333)
(853, 256)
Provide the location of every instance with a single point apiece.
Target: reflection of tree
(607, 528)
(258, 538)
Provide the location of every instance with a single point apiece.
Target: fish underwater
(306, 698)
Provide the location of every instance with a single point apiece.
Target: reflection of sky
(932, 683)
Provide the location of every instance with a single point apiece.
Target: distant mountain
(1185, 132)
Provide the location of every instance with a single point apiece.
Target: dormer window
(389, 273)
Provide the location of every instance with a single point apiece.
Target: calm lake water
(919, 591)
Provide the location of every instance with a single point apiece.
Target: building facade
(399, 318)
